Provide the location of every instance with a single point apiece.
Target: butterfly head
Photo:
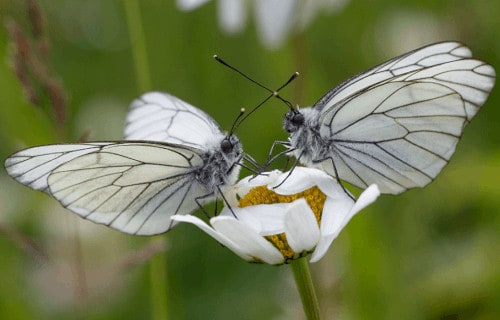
(293, 120)
(231, 147)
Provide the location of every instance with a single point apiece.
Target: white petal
(334, 217)
(303, 178)
(232, 195)
(301, 227)
(248, 240)
(242, 214)
(244, 185)
(334, 213)
(214, 234)
(265, 219)
(232, 15)
(322, 247)
(300, 179)
(331, 227)
(310, 9)
(332, 189)
(188, 5)
(274, 18)
(367, 197)
(263, 178)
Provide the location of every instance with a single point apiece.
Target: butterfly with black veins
(396, 124)
(176, 159)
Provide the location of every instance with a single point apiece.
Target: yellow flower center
(262, 195)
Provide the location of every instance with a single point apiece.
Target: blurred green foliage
(431, 253)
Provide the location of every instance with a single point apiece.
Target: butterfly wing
(418, 59)
(398, 135)
(398, 124)
(134, 187)
(32, 166)
(472, 79)
(162, 117)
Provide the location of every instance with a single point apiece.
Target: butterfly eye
(293, 121)
(226, 146)
(298, 119)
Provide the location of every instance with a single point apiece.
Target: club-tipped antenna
(236, 123)
(218, 59)
(274, 93)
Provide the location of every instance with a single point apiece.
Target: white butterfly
(178, 159)
(396, 124)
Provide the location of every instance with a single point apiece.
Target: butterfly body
(175, 158)
(220, 164)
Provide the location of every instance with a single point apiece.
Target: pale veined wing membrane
(132, 186)
(397, 134)
(472, 79)
(397, 124)
(160, 116)
(175, 159)
(422, 58)
(31, 167)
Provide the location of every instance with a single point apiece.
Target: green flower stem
(158, 285)
(138, 43)
(302, 275)
(157, 267)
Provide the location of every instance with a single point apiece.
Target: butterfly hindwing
(160, 116)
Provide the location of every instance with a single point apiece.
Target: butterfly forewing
(160, 116)
(134, 187)
(32, 166)
(422, 58)
(471, 79)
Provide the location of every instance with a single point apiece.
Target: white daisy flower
(275, 19)
(274, 222)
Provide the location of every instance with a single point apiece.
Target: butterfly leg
(295, 163)
(336, 175)
(226, 202)
(212, 194)
(271, 158)
(257, 167)
(200, 206)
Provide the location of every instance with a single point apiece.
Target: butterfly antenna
(218, 59)
(274, 93)
(236, 123)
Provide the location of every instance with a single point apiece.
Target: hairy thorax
(305, 140)
(220, 163)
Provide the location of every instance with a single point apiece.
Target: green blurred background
(430, 253)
